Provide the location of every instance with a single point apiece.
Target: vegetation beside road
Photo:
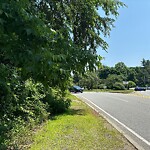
(111, 91)
(79, 128)
(42, 43)
(119, 77)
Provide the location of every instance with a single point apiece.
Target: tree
(104, 72)
(90, 80)
(121, 69)
(132, 74)
(146, 72)
(79, 21)
(142, 73)
(112, 79)
(48, 40)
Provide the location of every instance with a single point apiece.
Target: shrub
(56, 104)
(131, 84)
(112, 79)
(102, 86)
(118, 86)
(23, 104)
(20, 106)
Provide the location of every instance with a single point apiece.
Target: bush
(102, 86)
(23, 104)
(118, 86)
(56, 102)
(112, 79)
(20, 106)
(131, 84)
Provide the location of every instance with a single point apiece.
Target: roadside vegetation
(42, 43)
(79, 128)
(119, 77)
(111, 91)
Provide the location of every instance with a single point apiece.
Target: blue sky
(129, 41)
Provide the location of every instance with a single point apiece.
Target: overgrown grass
(79, 129)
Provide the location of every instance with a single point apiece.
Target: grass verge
(111, 91)
(79, 129)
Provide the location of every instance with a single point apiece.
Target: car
(76, 89)
(140, 89)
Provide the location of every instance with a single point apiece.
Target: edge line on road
(130, 130)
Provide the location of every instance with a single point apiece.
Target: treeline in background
(119, 77)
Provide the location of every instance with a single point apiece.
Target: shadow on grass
(71, 111)
(78, 111)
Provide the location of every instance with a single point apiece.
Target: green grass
(79, 129)
(111, 91)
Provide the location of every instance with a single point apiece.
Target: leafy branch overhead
(44, 36)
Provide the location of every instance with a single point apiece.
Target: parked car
(76, 89)
(140, 89)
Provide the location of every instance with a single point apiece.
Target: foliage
(131, 84)
(18, 97)
(138, 75)
(102, 86)
(89, 80)
(118, 86)
(81, 26)
(132, 74)
(109, 77)
(112, 79)
(121, 69)
(145, 73)
(104, 72)
(56, 103)
(41, 44)
(20, 106)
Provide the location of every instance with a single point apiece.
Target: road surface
(130, 114)
(144, 93)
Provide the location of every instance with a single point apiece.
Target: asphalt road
(130, 114)
(144, 93)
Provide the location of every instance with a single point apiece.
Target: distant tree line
(118, 77)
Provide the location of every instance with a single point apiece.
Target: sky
(129, 41)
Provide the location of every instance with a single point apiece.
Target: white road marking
(130, 130)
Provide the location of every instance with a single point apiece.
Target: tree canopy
(48, 40)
